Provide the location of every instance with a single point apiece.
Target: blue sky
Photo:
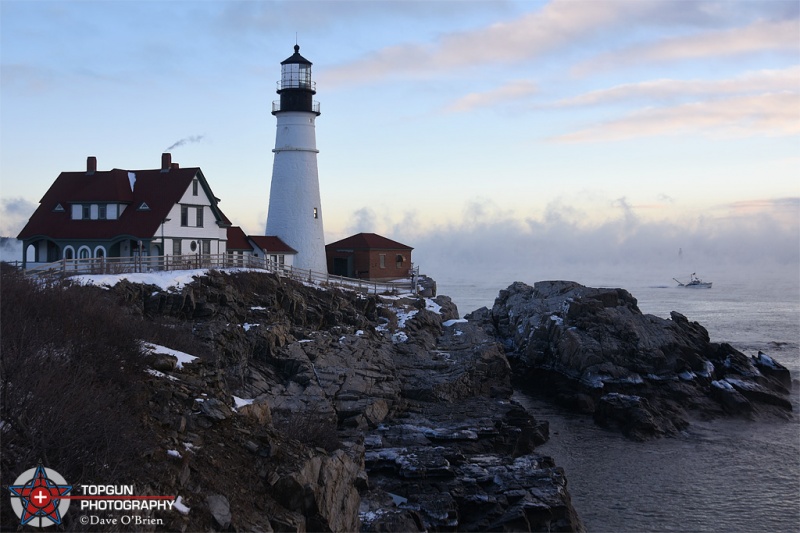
(593, 129)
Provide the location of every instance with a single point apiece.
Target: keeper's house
(125, 213)
(369, 256)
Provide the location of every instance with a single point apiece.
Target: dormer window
(101, 211)
(86, 212)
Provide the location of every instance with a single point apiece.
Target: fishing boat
(695, 283)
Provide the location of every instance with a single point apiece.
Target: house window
(101, 211)
(382, 258)
(184, 216)
(176, 247)
(69, 252)
(399, 261)
(194, 187)
(199, 217)
(206, 246)
(84, 253)
(87, 212)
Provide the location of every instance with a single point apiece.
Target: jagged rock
(220, 509)
(360, 403)
(594, 351)
(215, 409)
(258, 410)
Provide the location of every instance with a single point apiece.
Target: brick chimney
(175, 165)
(166, 161)
(91, 164)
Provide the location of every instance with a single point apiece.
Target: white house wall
(172, 229)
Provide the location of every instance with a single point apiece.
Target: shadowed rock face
(362, 413)
(593, 350)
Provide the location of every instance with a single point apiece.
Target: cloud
(559, 23)
(189, 139)
(26, 79)
(15, 214)
(510, 92)
(557, 244)
(769, 115)
(760, 36)
(763, 81)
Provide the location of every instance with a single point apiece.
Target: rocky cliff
(318, 409)
(594, 351)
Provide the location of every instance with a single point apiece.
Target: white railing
(126, 265)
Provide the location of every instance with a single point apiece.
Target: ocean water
(727, 475)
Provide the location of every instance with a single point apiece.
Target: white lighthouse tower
(295, 209)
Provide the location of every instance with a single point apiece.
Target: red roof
(271, 244)
(237, 240)
(368, 241)
(160, 191)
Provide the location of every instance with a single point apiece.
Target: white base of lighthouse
(295, 209)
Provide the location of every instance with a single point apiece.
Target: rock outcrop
(593, 350)
(339, 411)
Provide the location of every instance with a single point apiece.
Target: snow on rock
(174, 453)
(448, 323)
(156, 373)
(179, 506)
(247, 326)
(767, 361)
(724, 385)
(181, 356)
(166, 280)
(430, 305)
(240, 402)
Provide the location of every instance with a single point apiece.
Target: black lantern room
(296, 88)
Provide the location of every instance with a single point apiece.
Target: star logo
(39, 497)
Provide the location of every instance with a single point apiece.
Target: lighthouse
(295, 209)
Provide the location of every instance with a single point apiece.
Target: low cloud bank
(486, 245)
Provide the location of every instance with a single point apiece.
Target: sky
(486, 135)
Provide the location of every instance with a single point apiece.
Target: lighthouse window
(316, 213)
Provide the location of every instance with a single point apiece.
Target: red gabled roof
(272, 244)
(159, 190)
(237, 240)
(368, 241)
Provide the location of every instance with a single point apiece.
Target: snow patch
(724, 385)
(241, 402)
(183, 358)
(174, 453)
(449, 323)
(179, 506)
(156, 373)
(430, 305)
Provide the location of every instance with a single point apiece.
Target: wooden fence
(142, 264)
